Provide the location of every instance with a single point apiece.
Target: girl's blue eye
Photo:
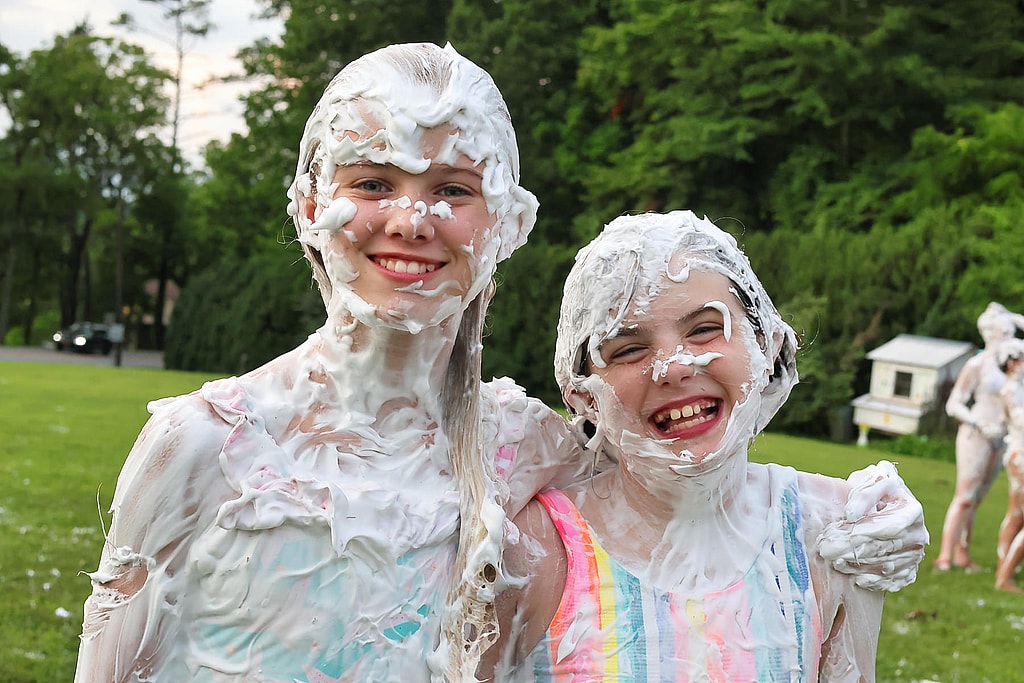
(372, 186)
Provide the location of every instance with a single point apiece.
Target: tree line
(868, 156)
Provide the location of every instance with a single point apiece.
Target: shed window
(903, 382)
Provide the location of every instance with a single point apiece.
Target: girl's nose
(413, 221)
(669, 368)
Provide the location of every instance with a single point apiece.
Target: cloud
(209, 110)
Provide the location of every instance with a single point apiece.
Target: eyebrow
(461, 169)
(632, 331)
(468, 171)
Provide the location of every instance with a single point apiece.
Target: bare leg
(1013, 520)
(1008, 565)
(1011, 531)
(977, 465)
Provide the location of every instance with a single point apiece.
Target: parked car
(84, 337)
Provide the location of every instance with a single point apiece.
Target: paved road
(129, 359)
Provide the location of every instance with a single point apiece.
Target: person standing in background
(1010, 548)
(976, 403)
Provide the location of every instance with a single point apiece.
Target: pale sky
(210, 112)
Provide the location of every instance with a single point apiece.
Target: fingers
(882, 536)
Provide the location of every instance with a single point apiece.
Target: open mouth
(681, 419)
(404, 267)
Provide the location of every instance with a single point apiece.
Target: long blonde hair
(470, 625)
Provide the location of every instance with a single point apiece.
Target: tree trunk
(119, 279)
(69, 298)
(161, 298)
(6, 287)
(30, 311)
(10, 258)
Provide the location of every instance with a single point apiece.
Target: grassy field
(64, 432)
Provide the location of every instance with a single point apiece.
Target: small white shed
(908, 374)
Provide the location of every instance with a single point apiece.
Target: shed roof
(925, 352)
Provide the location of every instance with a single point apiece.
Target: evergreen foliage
(238, 314)
(519, 342)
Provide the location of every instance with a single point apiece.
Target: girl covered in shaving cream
(980, 439)
(302, 522)
(685, 561)
(1010, 547)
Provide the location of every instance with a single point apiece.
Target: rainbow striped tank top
(611, 626)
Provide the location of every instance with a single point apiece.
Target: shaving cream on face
(606, 283)
(637, 264)
(626, 429)
(995, 324)
(634, 261)
(378, 110)
(462, 243)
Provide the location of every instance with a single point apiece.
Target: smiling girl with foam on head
(337, 514)
(685, 561)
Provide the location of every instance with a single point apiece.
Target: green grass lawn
(65, 430)
(64, 434)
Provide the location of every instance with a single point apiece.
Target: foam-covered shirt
(255, 542)
(613, 626)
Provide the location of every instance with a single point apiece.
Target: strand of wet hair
(470, 625)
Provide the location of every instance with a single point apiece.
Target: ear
(581, 403)
(776, 349)
(518, 222)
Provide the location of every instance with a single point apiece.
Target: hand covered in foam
(882, 537)
(992, 430)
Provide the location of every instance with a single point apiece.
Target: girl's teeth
(685, 411)
(414, 267)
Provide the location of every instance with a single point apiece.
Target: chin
(689, 464)
(694, 455)
(408, 312)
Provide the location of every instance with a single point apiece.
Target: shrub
(237, 315)
(932, 447)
